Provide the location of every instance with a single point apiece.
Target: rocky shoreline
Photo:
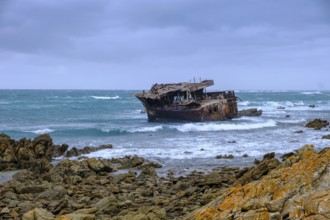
(129, 188)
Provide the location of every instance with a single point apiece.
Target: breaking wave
(311, 93)
(42, 131)
(224, 127)
(245, 103)
(146, 129)
(105, 97)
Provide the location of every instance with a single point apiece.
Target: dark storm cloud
(120, 38)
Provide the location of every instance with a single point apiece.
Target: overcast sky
(130, 44)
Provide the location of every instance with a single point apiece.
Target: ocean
(94, 117)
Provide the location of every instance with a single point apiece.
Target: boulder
(77, 216)
(326, 136)
(59, 150)
(98, 165)
(148, 171)
(317, 124)
(43, 146)
(38, 214)
(249, 112)
(129, 162)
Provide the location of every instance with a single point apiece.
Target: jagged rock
(75, 152)
(57, 193)
(148, 171)
(129, 161)
(26, 154)
(72, 152)
(59, 150)
(261, 169)
(99, 165)
(287, 155)
(106, 202)
(38, 214)
(5, 210)
(145, 213)
(297, 191)
(77, 216)
(269, 155)
(317, 124)
(43, 146)
(249, 112)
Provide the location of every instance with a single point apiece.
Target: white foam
(4, 103)
(245, 103)
(146, 129)
(224, 127)
(106, 97)
(292, 121)
(311, 93)
(42, 131)
(272, 104)
(300, 103)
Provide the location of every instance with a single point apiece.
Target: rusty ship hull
(188, 102)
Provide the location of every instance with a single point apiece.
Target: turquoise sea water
(90, 118)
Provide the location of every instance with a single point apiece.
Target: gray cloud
(99, 44)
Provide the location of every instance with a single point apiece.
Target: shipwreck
(188, 102)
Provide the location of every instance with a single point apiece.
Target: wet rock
(312, 106)
(230, 156)
(287, 155)
(249, 112)
(298, 132)
(269, 155)
(245, 155)
(317, 124)
(75, 152)
(59, 150)
(326, 136)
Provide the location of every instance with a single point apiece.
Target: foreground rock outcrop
(91, 188)
(299, 188)
(27, 153)
(39, 152)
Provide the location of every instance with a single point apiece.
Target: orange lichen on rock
(298, 188)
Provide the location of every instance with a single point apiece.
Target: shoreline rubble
(90, 188)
